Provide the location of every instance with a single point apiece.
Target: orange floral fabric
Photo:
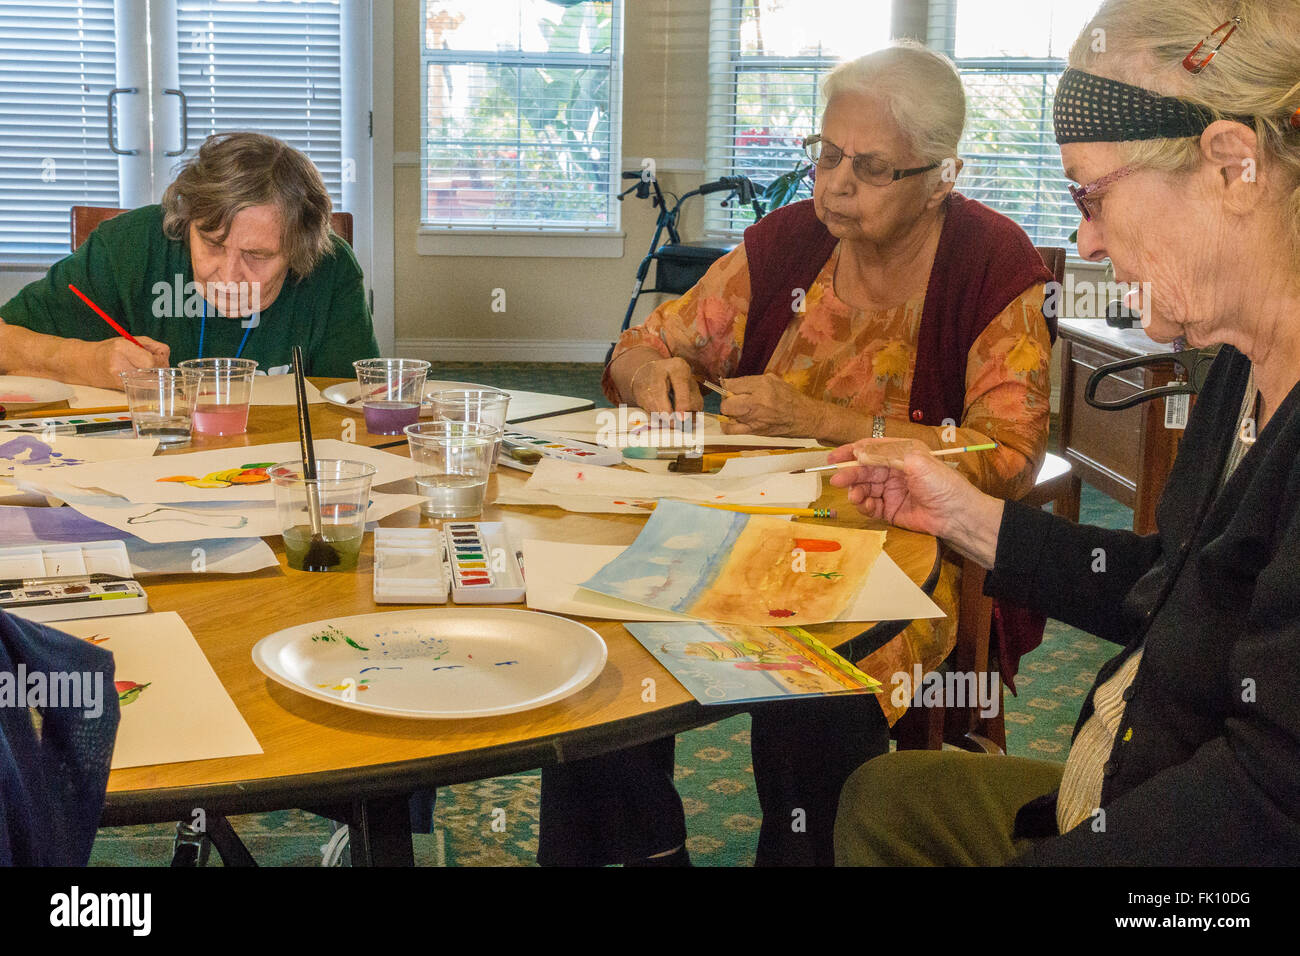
(865, 360)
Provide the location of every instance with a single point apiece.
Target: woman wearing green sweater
(237, 261)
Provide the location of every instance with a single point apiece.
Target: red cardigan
(983, 262)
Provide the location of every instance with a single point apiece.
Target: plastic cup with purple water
(391, 390)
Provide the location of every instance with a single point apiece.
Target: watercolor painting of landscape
(728, 664)
(735, 568)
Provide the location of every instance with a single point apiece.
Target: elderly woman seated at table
(237, 261)
(1187, 749)
(888, 305)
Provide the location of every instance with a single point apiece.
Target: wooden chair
(928, 728)
(83, 220)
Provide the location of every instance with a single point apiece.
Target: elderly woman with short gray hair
(890, 305)
(237, 262)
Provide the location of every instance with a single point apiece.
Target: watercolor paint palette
(72, 599)
(112, 422)
(555, 447)
(484, 565)
(409, 566)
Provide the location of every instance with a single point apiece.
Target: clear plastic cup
(340, 495)
(391, 390)
(486, 406)
(161, 401)
(452, 464)
(224, 393)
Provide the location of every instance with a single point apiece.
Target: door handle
(185, 122)
(112, 121)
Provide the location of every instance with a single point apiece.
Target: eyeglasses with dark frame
(1080, 194)
(868, 167)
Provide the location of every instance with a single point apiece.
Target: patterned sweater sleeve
(706, 326)
(1008, 389)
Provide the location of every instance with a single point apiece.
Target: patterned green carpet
(714, 775)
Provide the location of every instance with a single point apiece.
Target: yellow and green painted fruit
(254, 474)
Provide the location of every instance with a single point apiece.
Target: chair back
(83, 220)
(1054, 259)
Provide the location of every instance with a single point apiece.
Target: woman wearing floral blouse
(888, 305)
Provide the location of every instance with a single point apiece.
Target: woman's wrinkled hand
(105, 360)
(899, 481)
(666, 385)
(768, 405)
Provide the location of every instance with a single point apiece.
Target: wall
(557, 309)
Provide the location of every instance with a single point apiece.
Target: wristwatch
(878, 427)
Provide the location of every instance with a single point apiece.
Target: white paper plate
(32, 391)
(435, 663)
(344, 392)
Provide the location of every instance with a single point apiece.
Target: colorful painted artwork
(182, 712)
(740, 569)
(129, 691)
(251, 474)
(723, 663)
(30, 450)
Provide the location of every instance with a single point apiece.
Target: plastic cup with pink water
(225, 389)
(391, 390)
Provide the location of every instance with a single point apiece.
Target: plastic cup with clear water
(486, 406)
(452, 463)
(224, 393)
(161, 401)
(391, 390)
(340, 494)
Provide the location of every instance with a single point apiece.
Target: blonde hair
(919, 87)
(1256, 74)
(233, 171)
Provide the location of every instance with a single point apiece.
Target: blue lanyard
(248, 329)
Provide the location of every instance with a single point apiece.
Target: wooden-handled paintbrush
(321, 555)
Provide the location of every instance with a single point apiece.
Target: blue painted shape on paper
(678, 554)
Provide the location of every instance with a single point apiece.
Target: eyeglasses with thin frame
(871, 168)
(1081, 194)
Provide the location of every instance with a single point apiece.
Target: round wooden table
(362, 767)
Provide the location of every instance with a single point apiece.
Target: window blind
(1010, 54)
(56, 68)
(767, 60)
(520, 117)
(271, 67)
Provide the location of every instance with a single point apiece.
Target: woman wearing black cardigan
(1187, 751)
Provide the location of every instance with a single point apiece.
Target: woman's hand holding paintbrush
(104, 360)
(903, 482)
(646, 379)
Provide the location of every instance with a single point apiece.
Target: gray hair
(233, 171)
(1253, 75)
(919, 87)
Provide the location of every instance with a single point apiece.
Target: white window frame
(726, 62)
(544, 241)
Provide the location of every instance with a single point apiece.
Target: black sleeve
(1236, 800)
(1078, 574)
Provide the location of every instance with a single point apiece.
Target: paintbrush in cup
(321, 555)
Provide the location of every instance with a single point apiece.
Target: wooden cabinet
(1125, 454)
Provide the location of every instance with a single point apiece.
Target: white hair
(919, 87)
(1254, 74)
